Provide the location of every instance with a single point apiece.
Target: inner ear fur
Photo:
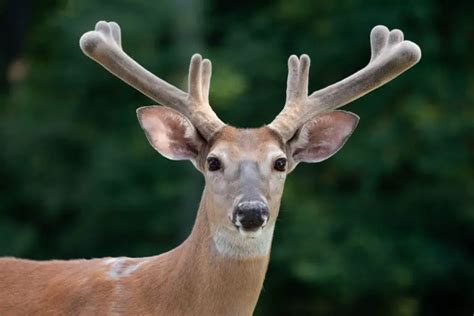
(322, 136)
(170, 133)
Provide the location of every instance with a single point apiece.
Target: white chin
(250, 234)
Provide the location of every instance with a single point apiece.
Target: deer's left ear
(322, 136)
(170, 133)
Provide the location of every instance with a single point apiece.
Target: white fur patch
(123, 267)
(233, 244)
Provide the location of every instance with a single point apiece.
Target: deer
(220, 268)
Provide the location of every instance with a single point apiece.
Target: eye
(213, 164)
(280, 164)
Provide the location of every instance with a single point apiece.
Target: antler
(104, 46)
(391, 56)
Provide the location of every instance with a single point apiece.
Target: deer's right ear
(170, 133)
(322, 136)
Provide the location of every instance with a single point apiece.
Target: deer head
(245, 169)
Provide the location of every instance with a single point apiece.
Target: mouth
(250, 233)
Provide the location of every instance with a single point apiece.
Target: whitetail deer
(219, 269)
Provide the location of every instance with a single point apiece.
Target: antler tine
(206, 79)
(297, 84)
(104, 46)
(203, 117)
(390, 56)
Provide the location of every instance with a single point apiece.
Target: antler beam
(104, 46)
(391, 56)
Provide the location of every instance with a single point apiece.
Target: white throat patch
(233, 244)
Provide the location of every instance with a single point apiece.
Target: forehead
(248, 142)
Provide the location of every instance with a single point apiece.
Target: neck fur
(231, 266)
(208, 274)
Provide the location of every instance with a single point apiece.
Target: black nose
(250, 215)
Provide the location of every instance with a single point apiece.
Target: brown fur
(192, 279)
(189, 280)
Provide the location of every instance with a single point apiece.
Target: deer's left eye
(213, 164)
(280, 164)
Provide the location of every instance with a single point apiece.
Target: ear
(322, 136)
(170, 133)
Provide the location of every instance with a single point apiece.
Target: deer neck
(221, 280)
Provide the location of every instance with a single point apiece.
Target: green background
(386, 227)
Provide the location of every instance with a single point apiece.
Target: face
(245, 172)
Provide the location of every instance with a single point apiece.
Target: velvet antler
(391, 56)
(104, 46)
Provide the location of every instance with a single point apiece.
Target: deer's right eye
(213, 164)
(280, 164)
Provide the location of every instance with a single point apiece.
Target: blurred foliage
(386, 227)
